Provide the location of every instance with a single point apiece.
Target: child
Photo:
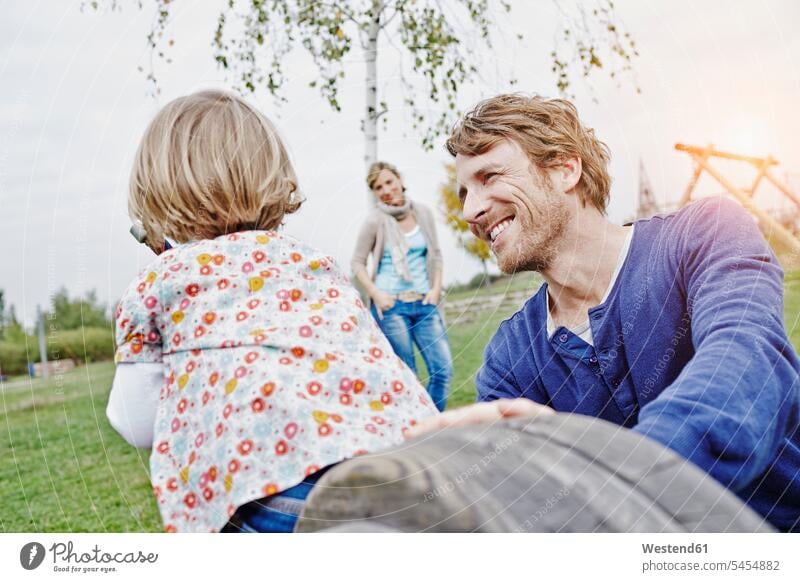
(268, 365)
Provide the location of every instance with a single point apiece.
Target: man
(672, 327)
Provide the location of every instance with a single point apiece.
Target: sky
(73, 106)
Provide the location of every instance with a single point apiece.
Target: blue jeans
(276, 513)
(408, 323)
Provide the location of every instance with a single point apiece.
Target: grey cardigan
(372, 237)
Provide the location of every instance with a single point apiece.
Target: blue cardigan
(689, 349)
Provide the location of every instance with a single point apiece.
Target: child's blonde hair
(210, 164)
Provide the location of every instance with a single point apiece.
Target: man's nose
(474, 207)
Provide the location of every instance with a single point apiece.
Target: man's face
(512, 208)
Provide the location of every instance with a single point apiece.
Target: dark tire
(561, 473)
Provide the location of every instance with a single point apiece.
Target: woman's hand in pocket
(383, 302)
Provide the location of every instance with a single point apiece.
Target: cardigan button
(593, 359)
(563, 337)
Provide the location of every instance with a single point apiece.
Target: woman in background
(405, 285)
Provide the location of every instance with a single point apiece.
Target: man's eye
(488, 177)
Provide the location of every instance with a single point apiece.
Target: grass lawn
(64, 469)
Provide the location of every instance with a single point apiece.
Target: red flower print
(193, 289)
(268, 388)
(257, 405)
(212, 473)
(198, 442)
(333, 293)
(346, 326)
(222, 284)
(141, 287)
(282, 294)
(169, 528)
(358, 386)
(298, 352)
(205, 270)
(172, 484)
(259, 256)
(220, 429)
(233, 466)
(284, 306)
(241, 316)
(212, 379)
(376, 352)
(297, 257)
(176, 339)
(218, 259)
(182, 404)
(199, 331)
(296, 294)
(378, 420)
(371, 428)
(176, 425)
(285, 361)
(163, 447)
(336, 418)
(190, 500)
(136, 347)
(245, 447)
(311, 469)
(290, 430)
(190, 366)
(314, 388)
(346, 384)
(346, 399)
(226, 412)
(316, 319)
(253, 303)
(241, 372)
(185, 303)
(397, 386)
(324, 429)
(269, 489)
(209, 317)
(251, 357)
(206, 397)
(386, 398)
(208, 494)
(150, 302)
(281, 448)
(247, 267)
(305, 331)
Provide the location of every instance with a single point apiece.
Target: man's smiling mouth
(499, 228)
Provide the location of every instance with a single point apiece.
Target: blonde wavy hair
(210, 164)
(375, 170)
(547, 130)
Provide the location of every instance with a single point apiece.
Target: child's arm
(133, 402)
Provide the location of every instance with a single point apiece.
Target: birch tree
(439, 42)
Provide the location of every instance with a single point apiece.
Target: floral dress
(274, 369)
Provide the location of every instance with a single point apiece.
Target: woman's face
(389, 189)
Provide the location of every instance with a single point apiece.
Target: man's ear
(569, 173)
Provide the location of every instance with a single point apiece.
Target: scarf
(395, 238)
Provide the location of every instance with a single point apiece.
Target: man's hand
(483, 412)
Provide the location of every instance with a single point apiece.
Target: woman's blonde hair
(210, 164)
(375, 170)
(547, 130)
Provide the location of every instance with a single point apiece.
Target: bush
(14, 358)
(84, 345)
(88, 344)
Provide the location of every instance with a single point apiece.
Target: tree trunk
(371, 117)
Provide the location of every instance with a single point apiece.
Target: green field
(64, 469)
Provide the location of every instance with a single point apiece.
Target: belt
(409, 296)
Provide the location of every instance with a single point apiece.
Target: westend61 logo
(66, 559)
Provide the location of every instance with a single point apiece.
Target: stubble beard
(537, 246)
